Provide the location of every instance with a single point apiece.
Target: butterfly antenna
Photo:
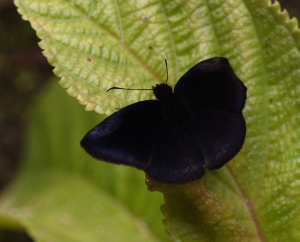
(121, 88)
(166, 62)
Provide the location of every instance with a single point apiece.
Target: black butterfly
(173, 139)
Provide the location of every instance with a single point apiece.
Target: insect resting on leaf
(176, 137)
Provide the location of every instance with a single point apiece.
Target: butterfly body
(172, 109)
(174, 138)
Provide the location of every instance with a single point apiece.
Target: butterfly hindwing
(221, 134)
(209, 139)
(127, 136)
(177, 156)
(212, 83)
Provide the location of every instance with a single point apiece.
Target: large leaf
(97, 45)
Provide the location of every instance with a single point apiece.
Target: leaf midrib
(250, 206)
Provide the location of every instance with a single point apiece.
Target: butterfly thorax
(172, 108)
(162, 91)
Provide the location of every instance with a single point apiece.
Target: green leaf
(62, 194)
(63, 207)
(97, 45)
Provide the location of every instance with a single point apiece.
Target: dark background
(23, 73)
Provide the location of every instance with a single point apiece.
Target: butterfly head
(162, 91)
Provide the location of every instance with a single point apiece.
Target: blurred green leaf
(64, 195)
(97, 45)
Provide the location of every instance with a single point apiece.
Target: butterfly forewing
(212, 83)
(126, 137)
